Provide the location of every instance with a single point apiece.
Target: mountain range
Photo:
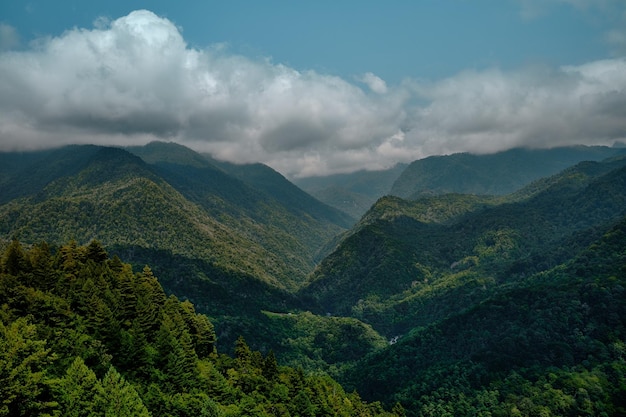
(440, 296)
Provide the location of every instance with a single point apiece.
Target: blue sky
(314, 87)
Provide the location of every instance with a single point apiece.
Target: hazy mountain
(353, 193)
(494, 174)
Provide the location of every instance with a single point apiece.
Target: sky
(314, 87)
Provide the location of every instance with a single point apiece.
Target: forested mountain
(232, 249)
(493, 174)
(505, 305)
(408, 264)
(82, 335)
(352, 193)
(448, 304)
(551, 344)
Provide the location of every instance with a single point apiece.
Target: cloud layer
(136, 80)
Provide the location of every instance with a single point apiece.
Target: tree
(95, 252)
(270, 367)
(15, 260)
(120, 398)
(79, 392)
(23, 363)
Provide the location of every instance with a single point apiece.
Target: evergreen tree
(95, 252)
(23, 364)
(45, 276)
(270, 367)
(120, 398)
(79, 392)
(15, 259)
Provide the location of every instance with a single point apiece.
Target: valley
(459, 285)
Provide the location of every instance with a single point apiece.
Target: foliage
(81, 334)
(551, 344)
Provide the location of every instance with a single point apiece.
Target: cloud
(9, 37)
(374, 83)
(135, 79)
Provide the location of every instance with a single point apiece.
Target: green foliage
(96, 339)
(24, 361)
(322, 342)
(551, 344)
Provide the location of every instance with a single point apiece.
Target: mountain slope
(397, 269)
(495, 174)
(253, 199)
(353, 193)
(82, 335)
(551, 344)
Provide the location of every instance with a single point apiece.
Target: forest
(81, 334)
(160, 281)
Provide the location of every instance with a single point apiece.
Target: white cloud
(135, 80)
(375, 83)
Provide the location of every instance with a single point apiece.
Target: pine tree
(95, 252)
(23, 363)
(15, 260)
(204, 336)
(45, 277)
(79, 392)
(270, 367)
(120, 398)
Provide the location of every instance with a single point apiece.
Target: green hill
(493, 174)
(450, 304)
(550, 344)
(81, 334)
(353, 193)
(409, 263)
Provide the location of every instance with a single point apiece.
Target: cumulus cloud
(135, 79)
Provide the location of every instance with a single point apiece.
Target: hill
(353, 193)
(451, 304)
(81, 334)
(550, 344)
(211, 237)
(407, 264)
(494, 174)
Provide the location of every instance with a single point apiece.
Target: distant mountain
(264, 178)
(352, 193)
(494, 174)
(293, 224)
(409, 263)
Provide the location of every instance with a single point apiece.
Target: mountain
(551, 344)
(494, 174)
(232, 249)
(407, 264)
(453, 304)
(254, 199)
(353, 193)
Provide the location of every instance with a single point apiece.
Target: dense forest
(260, 300)
(81, 334)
